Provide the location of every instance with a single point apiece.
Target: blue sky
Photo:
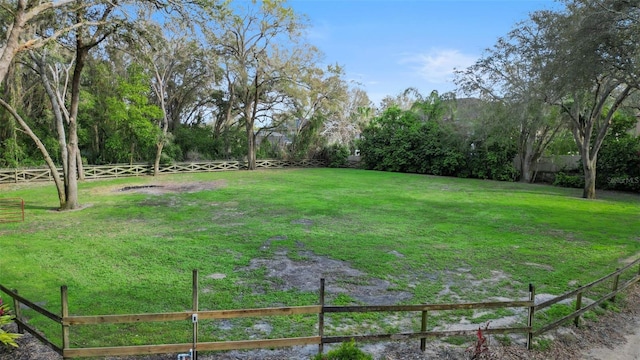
(390, 45)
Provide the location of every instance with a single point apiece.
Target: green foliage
(562, 144)
(419, 141)
(458, 339)
(569, 180)
(268, 150)
(12, 154)
(493, 160)
(133, 132)
(346, 351)
(619, 157)
(401, 141)
(6, 338)
(336, 155)
(308, 142)
(542, 344)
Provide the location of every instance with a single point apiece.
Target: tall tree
(20, 16)
(317, 99)
(182, 71)
(261, 52)
(354, 114)
(81, 25)
(509, 73)
(592, 68)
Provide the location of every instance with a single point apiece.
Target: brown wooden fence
(194, 315)
(127, 170)
(11, 210)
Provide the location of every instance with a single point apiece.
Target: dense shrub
(493, 160)
(336, 155)
(618, 165)
(569, 180)
(403, 141)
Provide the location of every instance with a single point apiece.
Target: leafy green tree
(619, 157)
(80, 26)
(413, 141)
(590, 69)
(316, 102)
(133, 117)
(510, 74)
(262, 55)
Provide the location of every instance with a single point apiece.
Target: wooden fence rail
(195, 315)
(578, 293)
(128, 170)
(11, 210)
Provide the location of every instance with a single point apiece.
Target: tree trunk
(156, 163)
(589, 166)
(79, 160)
(52, 166)
(71, 173)
(251, 148)
(57, 104)
(526, 175)
(527, 155)
(12, 41)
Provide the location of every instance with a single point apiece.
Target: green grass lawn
(438, 239)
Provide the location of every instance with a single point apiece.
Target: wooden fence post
(194, 316)
(532, 308)
(423, 328)
(65, 313)
(616, 279)
(18, 312)
(321, 318)
(576, 321)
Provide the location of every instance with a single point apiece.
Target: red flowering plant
(6, 338)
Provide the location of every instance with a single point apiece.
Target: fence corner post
(576, 321)
(18, 312)
(65, 313)
(532, 308)
(614, 288)
(194, 317)
(321, 319)
(423, 328)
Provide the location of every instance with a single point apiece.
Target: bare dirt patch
(171, 187)
(305, 272)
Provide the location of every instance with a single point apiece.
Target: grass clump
(346, 351)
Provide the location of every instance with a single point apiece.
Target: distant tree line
(96, 82)
(569, 70)
(441, 135)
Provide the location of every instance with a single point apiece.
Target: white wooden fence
(127, 170)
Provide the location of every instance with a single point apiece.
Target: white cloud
(438, 65)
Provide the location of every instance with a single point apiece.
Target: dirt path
(628, 351)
